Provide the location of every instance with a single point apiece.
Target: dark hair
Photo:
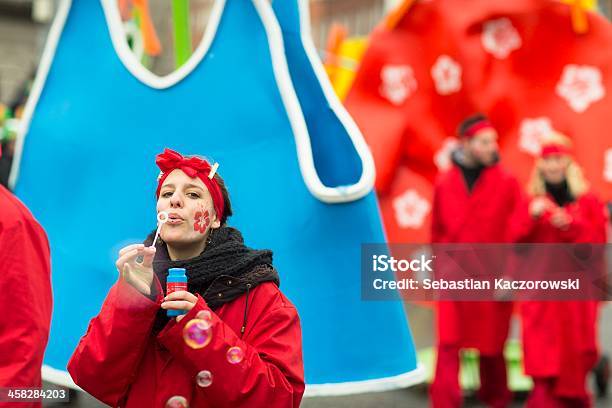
(227, 211)
(469, 122)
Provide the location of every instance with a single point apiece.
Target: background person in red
(473, 202)
(559, 352)
(25, 284)
(133, 355)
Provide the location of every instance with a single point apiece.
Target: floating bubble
(177, 402)
(206, 316)
(235, 355)
(197, 333)
(204, 378)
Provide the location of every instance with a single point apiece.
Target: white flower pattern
(397, 83)
(411, 209)
(580, 86)
(499, 37)
(446, 74)
(531, 133)
(442, 158)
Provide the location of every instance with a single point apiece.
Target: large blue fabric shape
(87, 173)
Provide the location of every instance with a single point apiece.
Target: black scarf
(470, 173)
(224, 271)
(560, 193)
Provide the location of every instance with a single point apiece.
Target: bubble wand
(162, 218)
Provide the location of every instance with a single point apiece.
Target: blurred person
(25, 284)
(8, 133)
(559, 352)
(10, 118)
(18, 102)
(133, 355)
(7, 151)
(473, 202)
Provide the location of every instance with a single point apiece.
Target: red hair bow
(170, 160)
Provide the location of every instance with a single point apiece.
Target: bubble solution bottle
(177, 280)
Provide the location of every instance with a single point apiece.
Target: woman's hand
(138, 274)
(538, 205)
(180, 300)
(561, 219)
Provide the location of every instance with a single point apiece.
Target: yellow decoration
(346, 60)
(579, 13)
(590, 5)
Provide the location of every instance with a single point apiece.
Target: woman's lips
(174, 221)
(174, 218)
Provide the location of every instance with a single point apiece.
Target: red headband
(193, 167)
(476, 127)
(553, 148)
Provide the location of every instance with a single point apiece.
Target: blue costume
(300, 182)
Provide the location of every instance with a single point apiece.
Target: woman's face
(553, 168)
(191, 213)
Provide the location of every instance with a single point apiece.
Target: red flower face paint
(202, 221)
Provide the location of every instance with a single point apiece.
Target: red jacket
(25, 284)
(589, 222)
(562, 348)
(482, 215)
(120, 362)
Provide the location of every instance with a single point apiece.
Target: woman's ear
(216, 223)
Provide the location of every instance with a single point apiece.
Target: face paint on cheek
(202, 221)
(206, 220)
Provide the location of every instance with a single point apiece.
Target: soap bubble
(197, 333)
(204, 378)
(206, 316)
(235, 355)
(177, 402)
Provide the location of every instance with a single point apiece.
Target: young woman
(247, 351)
(559, 337)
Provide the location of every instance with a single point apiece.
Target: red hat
(193, 167)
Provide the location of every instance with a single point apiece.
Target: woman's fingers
(126, 257)
(177, 304)
(149, 254)
(129, 248)
(125, 271)
(180, 300)
(182, 295)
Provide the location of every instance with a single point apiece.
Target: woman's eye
(193, 195)
(167, 194)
